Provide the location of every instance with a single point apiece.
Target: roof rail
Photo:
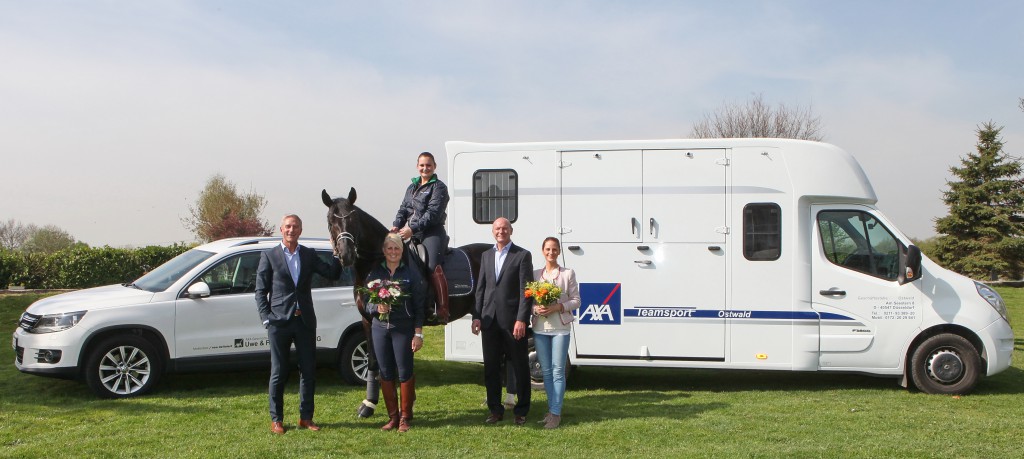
(257, 240)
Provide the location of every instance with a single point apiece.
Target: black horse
(357, 238)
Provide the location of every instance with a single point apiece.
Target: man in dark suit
(501, 313)
(285, 303)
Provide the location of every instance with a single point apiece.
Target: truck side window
(762, 231)
(858, 241)
(495, 195)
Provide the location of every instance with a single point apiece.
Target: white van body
(761, 254)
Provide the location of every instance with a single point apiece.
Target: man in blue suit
(285, 303)
(501, 313)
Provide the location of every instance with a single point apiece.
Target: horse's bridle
(345, 235)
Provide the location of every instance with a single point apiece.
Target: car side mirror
(910, 265)
(198, 290)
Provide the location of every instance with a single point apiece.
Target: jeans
(553, 351)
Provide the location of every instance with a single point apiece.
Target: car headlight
(57, 322)
(993, 298)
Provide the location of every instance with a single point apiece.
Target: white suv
(196, 312)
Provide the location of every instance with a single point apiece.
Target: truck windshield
(166, 274)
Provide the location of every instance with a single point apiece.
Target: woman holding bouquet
(551, 326)
(397, 298)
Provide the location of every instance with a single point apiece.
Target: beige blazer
(570, 301)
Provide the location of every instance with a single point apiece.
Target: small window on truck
(762, 231)
(858, 241)
(495, 195)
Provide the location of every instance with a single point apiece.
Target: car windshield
(168, 273)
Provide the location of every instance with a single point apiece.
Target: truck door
(866, 317)
(644, 231)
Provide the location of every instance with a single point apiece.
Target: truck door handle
(714, 248)
(633, 224)
(652, 226)
(642, 262)
(833, 292)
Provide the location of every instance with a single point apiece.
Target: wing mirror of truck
(198, 290)
(910, 265)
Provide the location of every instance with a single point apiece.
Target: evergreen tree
(983, 235)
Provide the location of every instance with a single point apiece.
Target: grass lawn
(609, 412)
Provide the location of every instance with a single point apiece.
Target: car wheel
(354, 361)
(945, 364)
(536, 372)
(123, 366)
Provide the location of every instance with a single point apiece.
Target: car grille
(28, 321)
(19, 353)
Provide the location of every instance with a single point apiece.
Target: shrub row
(81, 267)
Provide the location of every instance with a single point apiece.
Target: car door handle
(833, 292)
(642, 262)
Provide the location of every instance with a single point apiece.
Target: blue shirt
(292, 260)
(499, 259)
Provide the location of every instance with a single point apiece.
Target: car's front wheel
(123, 366)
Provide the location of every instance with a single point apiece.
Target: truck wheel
(354, 361)
(123, 366)
(945, 364)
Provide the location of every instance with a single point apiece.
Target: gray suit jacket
(277, 296)
(500, 301)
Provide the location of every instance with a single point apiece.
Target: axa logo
(602, 304)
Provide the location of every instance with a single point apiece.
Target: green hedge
(81, 267)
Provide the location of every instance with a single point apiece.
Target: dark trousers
(281, 338)
(498, 343)
(435, 241)
(393, 348)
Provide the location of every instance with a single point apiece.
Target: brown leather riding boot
(390, 394)
(440, 283)
(408, 399)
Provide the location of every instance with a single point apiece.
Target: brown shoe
(308, 424)
(520, 420)
(553, 422)
(277, 427)
(493, 418)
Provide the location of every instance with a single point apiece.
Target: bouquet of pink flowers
(383, 291)
(543, 293)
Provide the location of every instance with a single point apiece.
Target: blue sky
(114, 114)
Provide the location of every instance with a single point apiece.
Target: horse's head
(341, 223)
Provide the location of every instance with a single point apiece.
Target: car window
(858, 241)
(233, 275)
(321, 282)
(168, 273)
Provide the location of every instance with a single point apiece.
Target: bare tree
(757, 119)
(13, 234)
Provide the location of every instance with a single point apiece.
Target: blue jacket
(424, 208)
(413, 306)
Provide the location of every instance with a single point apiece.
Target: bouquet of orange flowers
(383, 291)
(543, 293)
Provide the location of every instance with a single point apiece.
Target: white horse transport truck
(759, 254)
